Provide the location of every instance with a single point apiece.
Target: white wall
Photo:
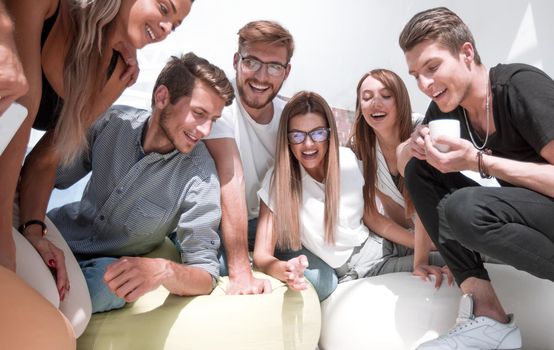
(338, 40)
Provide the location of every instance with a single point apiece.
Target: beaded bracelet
(480, 165)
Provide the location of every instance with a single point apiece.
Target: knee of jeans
(95, 269)
(104, 300)
(324, 281)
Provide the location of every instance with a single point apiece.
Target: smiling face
(377, 104)
(150, 21)
(257, 89)
(310, 154)
(441, 75)
(190, 118)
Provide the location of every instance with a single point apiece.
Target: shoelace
(463, 323)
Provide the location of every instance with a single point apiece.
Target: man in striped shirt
(151, 176)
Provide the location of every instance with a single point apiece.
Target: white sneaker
(476, 333)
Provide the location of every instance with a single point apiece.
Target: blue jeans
(101, 296)
(321, 276)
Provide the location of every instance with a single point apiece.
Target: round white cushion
(400, 311)
(281, 320)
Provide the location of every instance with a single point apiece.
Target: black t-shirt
(523, 108)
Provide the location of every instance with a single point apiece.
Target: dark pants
(320, 275)
(511, 224)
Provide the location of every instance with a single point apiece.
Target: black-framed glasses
(253, 65)
(317, 135)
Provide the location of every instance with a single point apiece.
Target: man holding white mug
(507, 119)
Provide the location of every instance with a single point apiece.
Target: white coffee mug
(444, 127)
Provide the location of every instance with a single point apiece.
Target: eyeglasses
(253, 65)
(317, 135)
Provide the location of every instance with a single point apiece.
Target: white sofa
(400, 311)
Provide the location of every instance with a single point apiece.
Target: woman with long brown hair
(383, 121)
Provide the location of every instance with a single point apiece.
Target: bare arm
(403, 155)
(537, 177)
(234, 217)
(422, 244)
(10, 70)
(463, 156)
(292, 271)
(39, 172)
(422, 268)
(186, 280)
(28, 16)
(388, 228)
(132, 277)
(412, 147)
(13, 83)
(264, 258)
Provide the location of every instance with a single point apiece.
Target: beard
(257, 102)
(165, 116)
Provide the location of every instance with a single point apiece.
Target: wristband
(481, 166)
(22, 227)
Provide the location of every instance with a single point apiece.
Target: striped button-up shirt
(134, 200)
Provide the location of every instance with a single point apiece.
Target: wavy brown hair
(440, 24)
(363, 140)
(267, 32)
(286, 181)
(180, 74)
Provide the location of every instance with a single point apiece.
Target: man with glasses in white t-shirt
(242, 144)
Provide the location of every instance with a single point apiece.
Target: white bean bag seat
(281, 320)
(400, 311)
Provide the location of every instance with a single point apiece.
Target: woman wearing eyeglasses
(383, 120)
(312, 199)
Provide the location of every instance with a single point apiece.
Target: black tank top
(50, 103)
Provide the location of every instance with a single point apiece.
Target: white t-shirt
(351, 231)
(256, 143)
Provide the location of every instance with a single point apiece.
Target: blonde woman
(383, 121)
(313, 199)
(78, 57)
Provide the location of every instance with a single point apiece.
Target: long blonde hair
(89, 22)
(363, 140)
(286, 182)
